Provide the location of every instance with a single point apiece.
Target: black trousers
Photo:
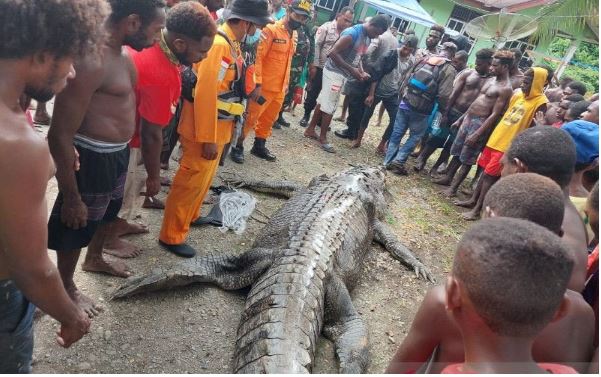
(391, 104)
(313, 92)
(356, 110)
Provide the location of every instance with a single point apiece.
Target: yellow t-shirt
(520, 113)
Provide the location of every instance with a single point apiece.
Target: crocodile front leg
(228, 272)
(281, 188)
(385, 237)
(345, 328)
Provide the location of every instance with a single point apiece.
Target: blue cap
(586, 137)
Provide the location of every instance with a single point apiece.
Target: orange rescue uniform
(199, 124)
(272, 72)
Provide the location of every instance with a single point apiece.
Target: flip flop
(328, 148)
(313, 137)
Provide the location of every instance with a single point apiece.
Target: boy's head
(459, 61)
(592, 209)
(527, 196)
(565, 103)
(434, 36)
(592, 113)
(510, 276)
(576, 110)
(535, 79)
(574, 87)
(517, 56)
(547, 151)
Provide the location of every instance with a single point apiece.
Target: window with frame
(326, 4)
(460, 16)
(524, 46)
(399, 23)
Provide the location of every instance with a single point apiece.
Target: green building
(419, 15)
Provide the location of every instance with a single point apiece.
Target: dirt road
(192, 330)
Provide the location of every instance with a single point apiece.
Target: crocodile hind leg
(345, 328)
(280, 188)
(229, 272)
(385, 237)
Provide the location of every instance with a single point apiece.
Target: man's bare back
(568, 341)
(491, 91)
(471, 88)
(110, 115)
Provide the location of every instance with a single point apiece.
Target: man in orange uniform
(210, 110)
(272, 73)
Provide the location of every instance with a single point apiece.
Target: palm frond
(565, 16)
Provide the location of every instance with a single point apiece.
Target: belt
(232, 108)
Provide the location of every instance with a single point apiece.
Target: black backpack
(422, 85)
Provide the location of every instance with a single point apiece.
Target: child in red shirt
(485, 296)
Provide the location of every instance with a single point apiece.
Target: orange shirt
(198, 121)
(274, 56)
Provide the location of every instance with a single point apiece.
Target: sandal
(328, 148)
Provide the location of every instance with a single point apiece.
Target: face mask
(250, 40)
(294, 24)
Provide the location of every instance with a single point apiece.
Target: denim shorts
(16, 329)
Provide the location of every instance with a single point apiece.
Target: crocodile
(300, 270)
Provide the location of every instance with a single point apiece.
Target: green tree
(571, 17)
(584, 66)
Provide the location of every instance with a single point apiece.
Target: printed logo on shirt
(335, 88)
(281, 41)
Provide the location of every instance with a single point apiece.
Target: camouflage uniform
(305, 51)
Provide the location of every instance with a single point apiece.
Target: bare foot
(84, 302)
(443, 181)
(164, 166)
(381, 149)
(115, 268)
(356, 144)
(467, 191)
(449, 193)
(311, 135)
(470, 203)
(121, 248)
(470, 216)
(121, 228)
(340, 119)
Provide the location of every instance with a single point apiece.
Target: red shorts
(490, 160)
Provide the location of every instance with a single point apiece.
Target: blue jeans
(417, 124)
(16, 329)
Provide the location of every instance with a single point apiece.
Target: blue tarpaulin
(409, 10)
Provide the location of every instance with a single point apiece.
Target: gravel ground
(192, 329)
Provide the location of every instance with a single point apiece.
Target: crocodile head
(369, 182)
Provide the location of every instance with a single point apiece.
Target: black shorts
(101, 182)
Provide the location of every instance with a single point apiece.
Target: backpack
(422, 85)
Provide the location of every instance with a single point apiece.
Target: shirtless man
(515, 73)
(96, 114)
(466, 88)
(36, 59)
(481, 117)
(568, 341)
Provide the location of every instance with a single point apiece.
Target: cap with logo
(302, 7)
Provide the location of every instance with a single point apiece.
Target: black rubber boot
(282, 121)
(182, 250)
(261, 151)
(237, 154)
(305, 121)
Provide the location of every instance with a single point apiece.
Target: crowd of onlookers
(132, 79)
